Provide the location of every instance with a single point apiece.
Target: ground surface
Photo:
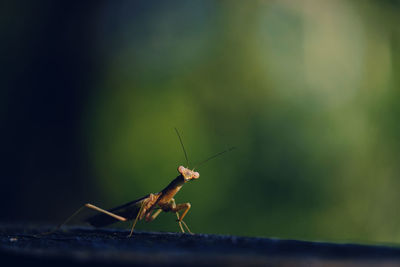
(111, 247)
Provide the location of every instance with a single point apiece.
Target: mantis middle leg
(185, 207)
(172, 206)
(137, 217)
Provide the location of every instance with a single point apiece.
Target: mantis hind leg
(90, 206)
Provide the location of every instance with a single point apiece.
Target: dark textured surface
(111, 247)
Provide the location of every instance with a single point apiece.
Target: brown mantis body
(149, 206)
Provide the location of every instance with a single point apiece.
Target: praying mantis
(149, 206)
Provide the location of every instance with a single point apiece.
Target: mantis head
(188, 174)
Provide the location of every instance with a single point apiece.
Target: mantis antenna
(214, 156)
(143, 207)
(183, 147)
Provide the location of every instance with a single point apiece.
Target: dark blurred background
(307, 91)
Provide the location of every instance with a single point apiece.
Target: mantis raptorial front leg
(151, 205)
(150, 218)
(90, 206)
(145, 210)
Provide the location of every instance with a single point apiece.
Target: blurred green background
(307, 91)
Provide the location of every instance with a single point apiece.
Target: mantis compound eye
(181, 169)
(196, 175)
